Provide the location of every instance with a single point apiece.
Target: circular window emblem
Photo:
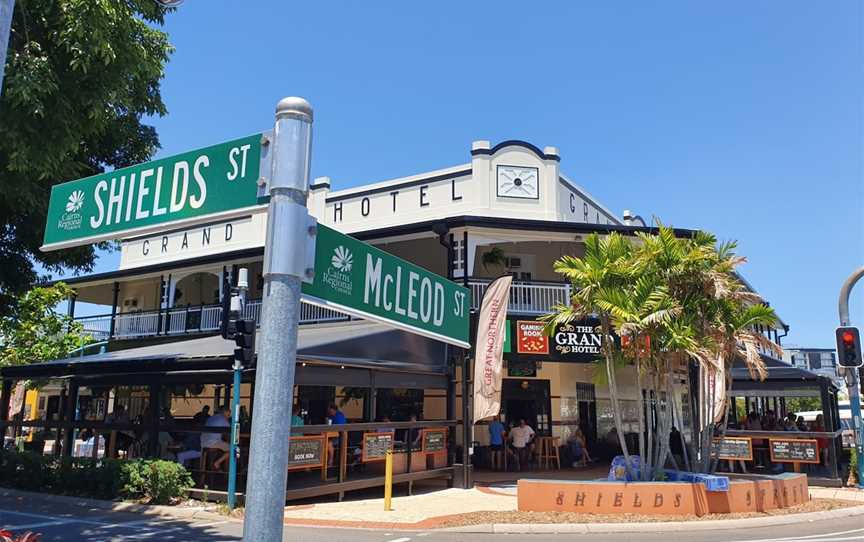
(76, 201)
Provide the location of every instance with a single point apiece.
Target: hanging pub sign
(575, 342)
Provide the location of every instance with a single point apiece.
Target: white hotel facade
(510, 209)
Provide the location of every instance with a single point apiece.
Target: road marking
(824, 537)
(403, 539)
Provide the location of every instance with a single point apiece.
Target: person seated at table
(191, 443)
(415, 435)
(334, 417)
(124, 438)
(297, 418)
(578, 448)
(200, 418)
(496, 442)
(385, 419)
(215, 441)
(522, 436)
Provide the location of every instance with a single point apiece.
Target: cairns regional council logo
(71, 219)
(338, 274)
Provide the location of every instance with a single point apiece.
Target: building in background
(822, 361)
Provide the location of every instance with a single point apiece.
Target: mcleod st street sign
(215, 182)
(357, 278)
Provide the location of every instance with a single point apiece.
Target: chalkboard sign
(375, 446)
(734, 448)
(794, 450)
(305, 452)
(434, 440)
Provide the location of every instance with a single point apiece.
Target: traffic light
(849, 347)
(244, 338)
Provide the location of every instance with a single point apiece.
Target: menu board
(794, 450)
(375, 446)
(305, 452)
(434, 440)
(734, 448)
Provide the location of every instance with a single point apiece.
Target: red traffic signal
(849, 347)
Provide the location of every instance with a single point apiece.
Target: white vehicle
(845, 421)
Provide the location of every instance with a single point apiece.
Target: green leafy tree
(663, 301)
(34, 332)
(80, 75)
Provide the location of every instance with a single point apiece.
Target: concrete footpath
(431, 511)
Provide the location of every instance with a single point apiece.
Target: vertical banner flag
(489, 349)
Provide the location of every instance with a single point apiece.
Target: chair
(547, 452)
(205, 464)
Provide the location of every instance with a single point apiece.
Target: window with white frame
(458, 258)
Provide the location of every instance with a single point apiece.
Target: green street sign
(357, 278)
(206, 184)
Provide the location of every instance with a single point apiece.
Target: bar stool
(548, 452)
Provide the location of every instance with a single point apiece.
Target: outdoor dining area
(172, 404)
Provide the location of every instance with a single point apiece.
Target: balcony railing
(526, 297)
(185, 320)
(530, 298)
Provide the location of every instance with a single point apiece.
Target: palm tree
(670, 300)
(604, 268)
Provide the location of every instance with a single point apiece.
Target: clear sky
(741, 118)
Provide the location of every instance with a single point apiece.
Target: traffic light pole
(853, 378)
(289, 234)
(234, 450)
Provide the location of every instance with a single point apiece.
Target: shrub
(157, 481)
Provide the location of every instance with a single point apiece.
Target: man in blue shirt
(335, 416)
(496, 442)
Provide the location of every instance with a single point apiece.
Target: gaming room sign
(574, 342)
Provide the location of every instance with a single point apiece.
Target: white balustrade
(526, 297)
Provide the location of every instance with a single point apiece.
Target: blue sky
(741, 118)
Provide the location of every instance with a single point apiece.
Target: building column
(153, 421)
(70, 305)
(69, 417)
(116, 295)
(5, 398)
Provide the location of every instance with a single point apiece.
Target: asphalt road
(72, 524)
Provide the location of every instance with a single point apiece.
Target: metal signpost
(215, 182)
(290, 234)
(852, 377)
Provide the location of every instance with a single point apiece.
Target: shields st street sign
(357, 278)
(215, 182)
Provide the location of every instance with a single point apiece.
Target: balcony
(186, 320)
(529, 298)
(533, 298)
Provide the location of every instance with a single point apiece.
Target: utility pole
(852, 374)
(289, 233)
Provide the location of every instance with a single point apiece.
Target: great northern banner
(489, 349)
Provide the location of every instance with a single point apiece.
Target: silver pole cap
(294, 107)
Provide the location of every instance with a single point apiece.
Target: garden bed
(480, 518)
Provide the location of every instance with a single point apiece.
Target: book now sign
(215, 182)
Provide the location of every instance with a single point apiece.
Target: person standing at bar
(496, 442)
(522, 435)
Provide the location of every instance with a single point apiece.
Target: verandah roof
(361, 344)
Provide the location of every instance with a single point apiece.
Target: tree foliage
(34, 332)
(80, 75)
(663, 301)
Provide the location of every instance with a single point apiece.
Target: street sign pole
(852, 377)
(285, 265)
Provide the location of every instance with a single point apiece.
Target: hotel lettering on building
(509, 209)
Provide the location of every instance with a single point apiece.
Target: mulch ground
(477, 518)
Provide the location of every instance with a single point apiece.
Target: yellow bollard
(388, 481)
